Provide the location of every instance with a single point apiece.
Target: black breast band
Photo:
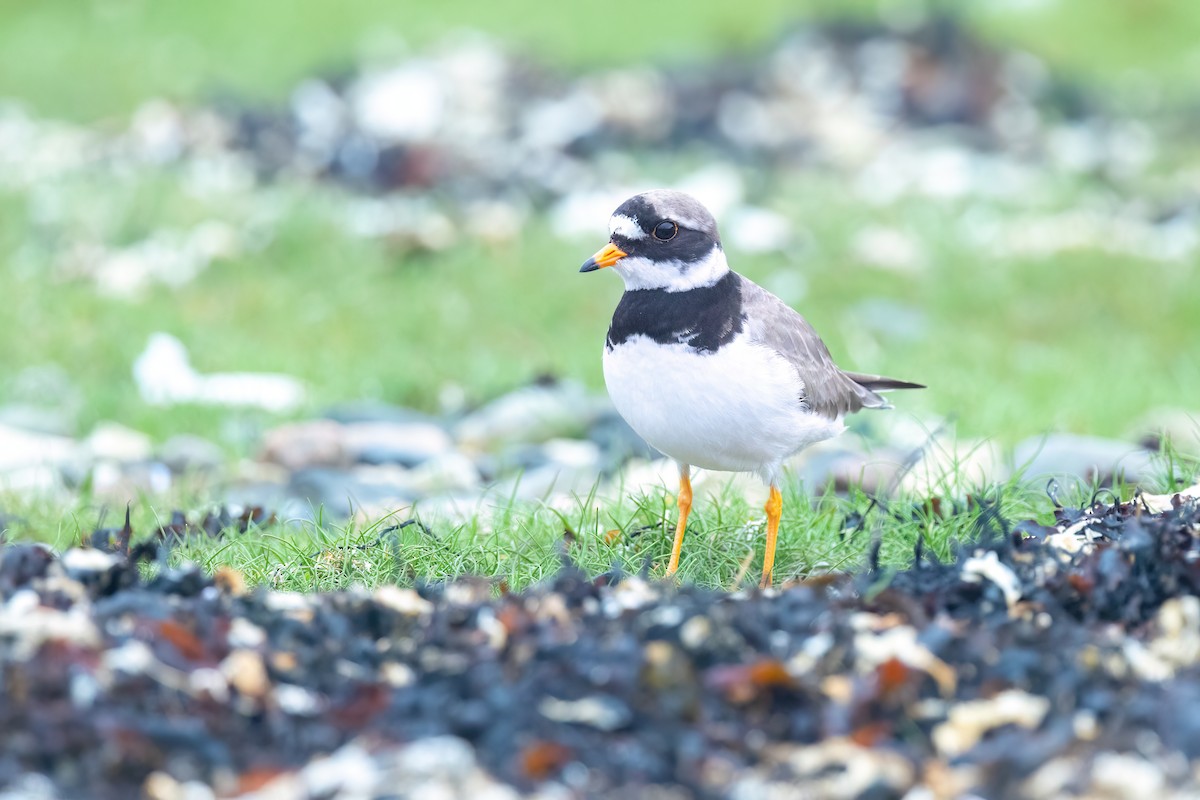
(705, 318)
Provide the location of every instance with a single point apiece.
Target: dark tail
(878, 383)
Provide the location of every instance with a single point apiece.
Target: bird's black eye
(665, 230)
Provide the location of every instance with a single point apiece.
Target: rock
(126, 483)
(1177, 427)
(618, 442)
(560, 466)
(573, 453)
(407, 444)
(645, 477)
(315, 443)
(111, 441)
(955, 467)
(29, 481)
(533, 414)
(20, 448)
(547, 480)
(341, 491)
(35, 419)
(187, 453)
(374, 411)
(452, 471)
(1090, 458)
(844, 463)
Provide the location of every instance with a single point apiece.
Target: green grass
(525, 543)
(86, 60)
(521, 543)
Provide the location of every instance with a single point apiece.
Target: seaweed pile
(1045, 661)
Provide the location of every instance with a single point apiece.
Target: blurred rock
(617, 441)
(533, 414)
(112, 441)
(20, 448)
(128, 482)
(563, 467)
(955, 468)
(843, 463)
(340, 492)
(1090, 458)
(375, 411)
(1177, 428)
(305, 444)
(449, 472)
(187, 453)
(407, 444)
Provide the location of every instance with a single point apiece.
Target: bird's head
(662, 240)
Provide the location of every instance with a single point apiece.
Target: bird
(708, 367)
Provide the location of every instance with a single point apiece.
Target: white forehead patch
(621, 225)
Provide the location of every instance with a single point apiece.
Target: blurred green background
(1014, 343)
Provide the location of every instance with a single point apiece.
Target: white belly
(737, 409)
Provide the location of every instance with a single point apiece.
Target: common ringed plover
(710, 368)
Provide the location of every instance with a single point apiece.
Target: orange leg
(774, 508)
(685, 505)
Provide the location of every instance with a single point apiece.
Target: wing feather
(827, 390)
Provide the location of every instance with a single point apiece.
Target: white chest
(735, 409)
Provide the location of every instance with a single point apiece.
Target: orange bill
(608, 255)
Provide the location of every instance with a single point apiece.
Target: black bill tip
(589, 266)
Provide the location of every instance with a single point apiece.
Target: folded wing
(828, 390)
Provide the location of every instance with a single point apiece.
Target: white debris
(988, 567)
(899, 642)
(403, 104)
(889, 248)
(404, 601)
(165, 376)
(1164, 502)
(968, 722)
(28, 624)
(750, 229)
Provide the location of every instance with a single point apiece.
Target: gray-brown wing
(828, 391)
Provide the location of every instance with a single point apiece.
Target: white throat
(673, 275)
